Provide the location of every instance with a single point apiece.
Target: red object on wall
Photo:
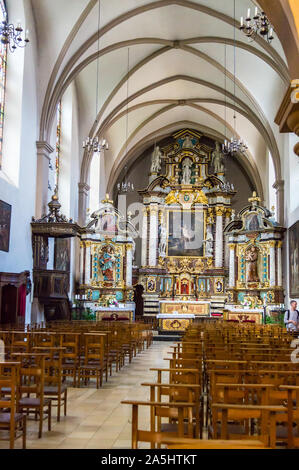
(22, 301)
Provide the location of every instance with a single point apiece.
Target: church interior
(149, 224)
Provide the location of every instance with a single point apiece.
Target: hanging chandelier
(259, 24)
(125, 187)
(235, 145)
(94, 144)
(12, 36)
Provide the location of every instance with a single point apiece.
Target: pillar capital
(44, 148)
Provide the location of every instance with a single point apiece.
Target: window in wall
(3, 64)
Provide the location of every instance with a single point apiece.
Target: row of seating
(39, 366)
(224, 382)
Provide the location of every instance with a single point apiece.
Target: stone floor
(95, 418)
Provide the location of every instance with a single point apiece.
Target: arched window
(3, 63)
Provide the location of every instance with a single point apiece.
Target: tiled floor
(95, 418)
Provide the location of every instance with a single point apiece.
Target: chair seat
(5, 418)
(173, 428)
(53, 389)
(28, 401)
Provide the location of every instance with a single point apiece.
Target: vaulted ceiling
(181, 61)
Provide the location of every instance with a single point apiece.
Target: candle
(271, 33)
(256, 11)
(248, 13)
(242, 21)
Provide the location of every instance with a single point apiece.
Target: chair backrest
(9, 379)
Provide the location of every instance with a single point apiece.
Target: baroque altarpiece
(186, 209)
(106, 261)
(187, 268)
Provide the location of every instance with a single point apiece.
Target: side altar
(106, 260)
(255, 283)
(187, 205)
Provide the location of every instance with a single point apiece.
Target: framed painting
(186, 233)
(294, 259)
(5, 221)
(62, 254)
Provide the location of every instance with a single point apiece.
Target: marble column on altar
(231, 247)
(129, 266)
(153, 238)
(226, 248)
(87, 263)
(279, 264)
(272, 264)
(144, 237)
(81, 263)
(219, 238)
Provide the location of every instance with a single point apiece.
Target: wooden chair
(94, 362)
(54, 387)
(32, 378)
(266, 432)
(178, 443)
(159, 409)
(10, 419)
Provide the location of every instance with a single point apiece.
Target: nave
(95, 418)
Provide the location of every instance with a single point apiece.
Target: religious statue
(188, 144)
(156, 160)
(163, 241)
(252, 262)
(209, 242)
(187, 173)
(218, 159)
(106, 262)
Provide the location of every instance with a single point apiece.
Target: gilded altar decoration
(255, 239)
(106, 258)
(187, 207)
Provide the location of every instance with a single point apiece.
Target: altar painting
(185, 233)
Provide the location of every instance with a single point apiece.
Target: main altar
(199, 259)
(186, 207)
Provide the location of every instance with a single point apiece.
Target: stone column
(272, 264)
(129, 266)
(232, 264)
(279, 186)
(153, 236)
(279, 264)
(219, 238)
(144, 238)
(44, 151)
(81, 263)
(226, 249)
(83, 199)
(87, 263)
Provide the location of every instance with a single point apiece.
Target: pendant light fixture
(126, 186)
(235, 145)
(259, 24)
(94, 144)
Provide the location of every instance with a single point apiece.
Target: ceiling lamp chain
(235, 145)
(259, 24)
(94, 144)
(12, 35)
(126, 186)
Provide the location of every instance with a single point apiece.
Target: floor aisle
(95, 418)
